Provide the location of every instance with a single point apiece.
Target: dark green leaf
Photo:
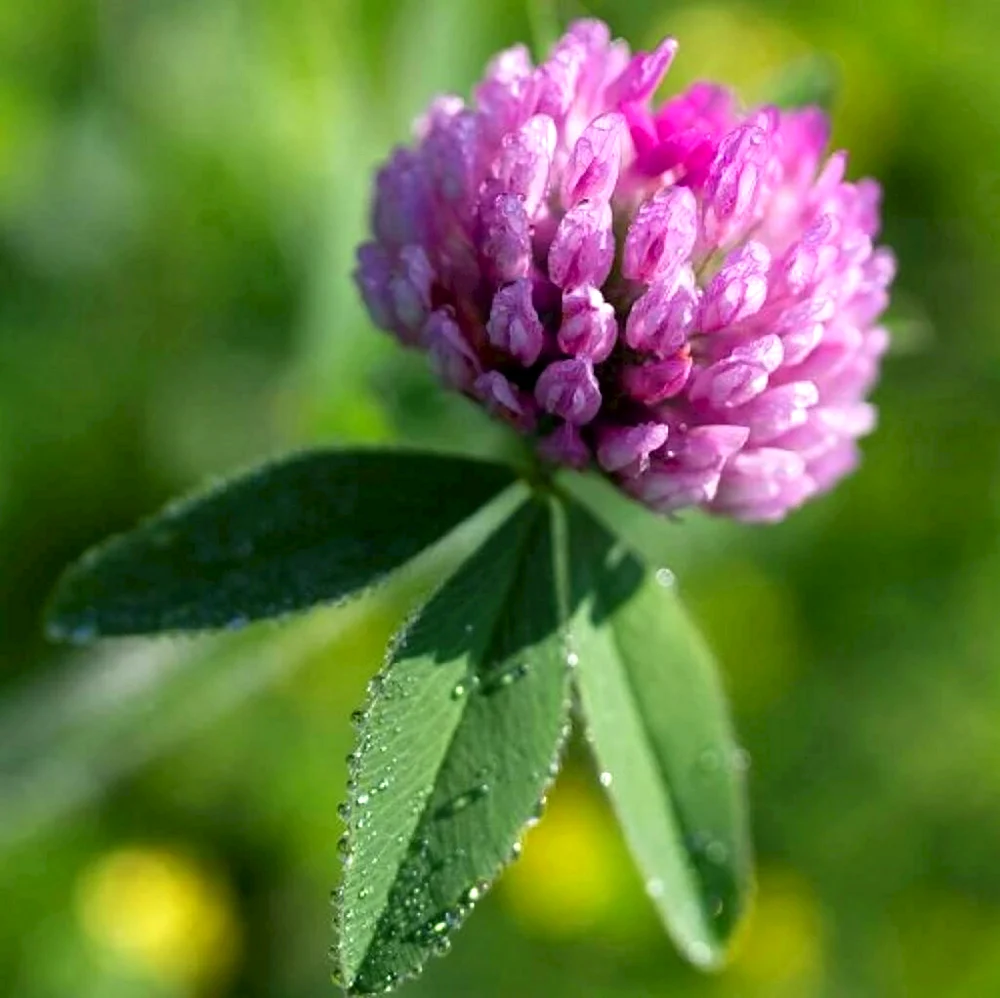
(456, 747)
(314, 528)
(656, 718)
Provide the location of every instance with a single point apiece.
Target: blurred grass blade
(315, 528)
(69, 736)
(810, 81)
(545, 29)
(456, 747)
(656, 718)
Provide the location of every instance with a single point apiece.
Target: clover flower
(684, 297)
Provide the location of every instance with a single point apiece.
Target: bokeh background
(182, 183)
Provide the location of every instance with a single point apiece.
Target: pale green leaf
(657, 721)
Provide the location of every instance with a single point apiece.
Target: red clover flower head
(684, 297)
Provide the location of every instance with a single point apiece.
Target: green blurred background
(182, 183)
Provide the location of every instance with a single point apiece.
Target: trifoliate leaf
(314, 528)
(657, 722)
(456, 747)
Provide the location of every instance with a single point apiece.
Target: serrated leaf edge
(483, 886)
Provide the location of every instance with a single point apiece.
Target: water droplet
(462, 801)
(362, 800)
(458, 691)
(515, 852)
(605, 779)
(382, 786)
(572, 659)
(665, 577)
(364, 892)
(655, 887)
(503, 679)
(474, 893)
(718, 906)
(344, 811)
(358, 717)
(741, 760)
(709, 760)
(717, 852)
(79, 633)
(700, 953)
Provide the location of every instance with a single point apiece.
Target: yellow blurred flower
(733, 43)
(569, 877)
(779, 950)
(161, 912)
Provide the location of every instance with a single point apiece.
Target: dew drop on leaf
(717, 852)
(473, 894)
(462, 801)
(699, 953)
(665, 577)
(504, 679)
(709, 761)
(605, 779)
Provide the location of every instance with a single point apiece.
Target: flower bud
(525, 160)
(514, 325)
(589, 328)
(505, 400)
(583, 249)
(506, 235)
(626, 449)
(737, 291)
(661, 319)
(658, 380)
(454, 361)
(661, 237)
(594, 165)
(568, 389)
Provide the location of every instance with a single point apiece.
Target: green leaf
(456, 747)
(656, 719)
(314, 528)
